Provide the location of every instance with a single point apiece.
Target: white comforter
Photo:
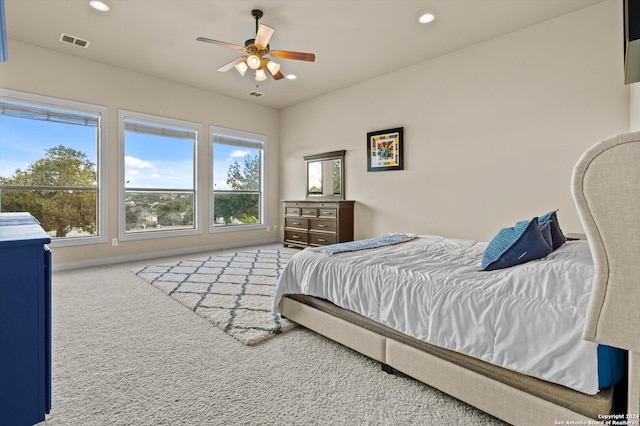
(528, 318)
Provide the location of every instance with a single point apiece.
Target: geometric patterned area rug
(234, 291)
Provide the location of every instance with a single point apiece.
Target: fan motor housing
(252, 49)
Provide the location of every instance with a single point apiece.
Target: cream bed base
(606, 190)
(491, 396)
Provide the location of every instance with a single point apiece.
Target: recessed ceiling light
(291, 76)
(98, 5)
(426, 18)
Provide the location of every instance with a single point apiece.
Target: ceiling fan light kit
(260, 75)
(242, 67)
(273, 67)
(254, 62)
(257, 48)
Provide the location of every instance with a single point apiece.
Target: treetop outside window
(238, 179)
(51, 164)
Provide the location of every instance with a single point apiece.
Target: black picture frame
(385, 150)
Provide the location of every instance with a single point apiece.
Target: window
(158, 197)
(238, 181)
(51, 160)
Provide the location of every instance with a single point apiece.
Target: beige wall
(634, 113)
(44, 72)
(492, 132)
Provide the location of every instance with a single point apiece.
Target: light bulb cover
(260, 75)
(273, 67)
(241, 67)
(254, 62)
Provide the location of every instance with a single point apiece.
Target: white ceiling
(354, 40)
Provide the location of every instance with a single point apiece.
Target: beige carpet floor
(126, 354)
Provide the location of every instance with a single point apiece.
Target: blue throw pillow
(557, 236)
(545, 230)
(513, 246)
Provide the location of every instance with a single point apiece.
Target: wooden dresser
(317, 223)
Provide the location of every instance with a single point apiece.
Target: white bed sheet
(528, 318)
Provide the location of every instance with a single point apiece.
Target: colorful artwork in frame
(384, 150)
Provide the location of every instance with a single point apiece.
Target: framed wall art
(384, 150)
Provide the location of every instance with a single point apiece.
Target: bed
(516, 341)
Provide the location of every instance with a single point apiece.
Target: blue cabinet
(25, 320)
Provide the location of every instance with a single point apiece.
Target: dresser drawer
(292, 211)
(300, 237)
(323, 225)
(296, 222)
(309, 212)
(324, 212)
(316, 223)
(321, 239)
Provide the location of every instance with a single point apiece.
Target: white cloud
(156, 173)
(239, 153)
(136, 162)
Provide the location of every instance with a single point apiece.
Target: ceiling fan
(256, 49)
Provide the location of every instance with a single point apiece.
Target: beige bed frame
(606, 190)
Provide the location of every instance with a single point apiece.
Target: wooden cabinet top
(319, 203)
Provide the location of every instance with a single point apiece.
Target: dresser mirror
(325, 175)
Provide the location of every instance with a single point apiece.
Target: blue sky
(158, 162)
(164, 162)
(23, 141)
(223, 157)
(150, 161)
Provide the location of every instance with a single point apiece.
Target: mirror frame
(333, 155)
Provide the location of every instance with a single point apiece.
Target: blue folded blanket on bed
(370, 243)
(611, 365)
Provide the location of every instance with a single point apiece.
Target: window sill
(236, 228)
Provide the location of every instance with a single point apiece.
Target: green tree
(242, 207)
(172, 212)
(132, 214)
(246, 177)
(57, 210)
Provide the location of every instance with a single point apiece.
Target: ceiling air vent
(65, 38)
(255, 94)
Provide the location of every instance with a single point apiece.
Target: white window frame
(153, 120)
(240, 136)
(101, 154)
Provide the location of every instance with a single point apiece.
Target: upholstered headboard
(606, 190)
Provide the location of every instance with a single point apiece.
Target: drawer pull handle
(320, 240)
(295, 236)
(322, 226)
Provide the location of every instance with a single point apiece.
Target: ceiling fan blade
(227, 67)
(300, 56)
(278, 76)
(221, 43)
(263, 36)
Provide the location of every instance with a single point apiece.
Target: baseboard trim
(157, 254)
